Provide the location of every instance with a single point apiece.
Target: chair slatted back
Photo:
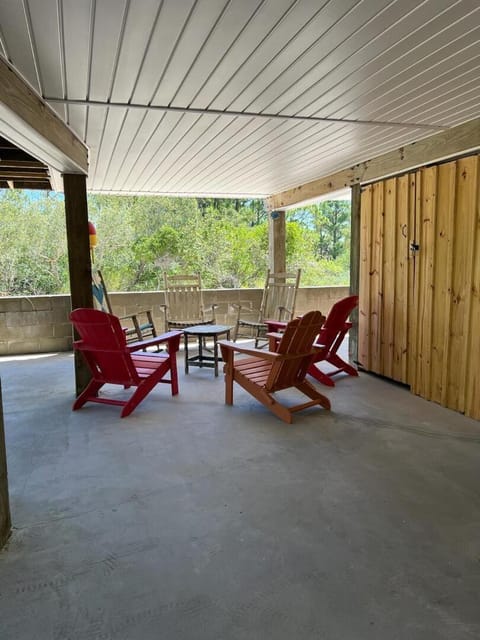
(184, 298)
(297, 345)
(336, 319)
(279, 296)
(104, 346)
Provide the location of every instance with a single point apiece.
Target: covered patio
(195, 520)
(191, 519)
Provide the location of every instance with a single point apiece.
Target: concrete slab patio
(191, 520)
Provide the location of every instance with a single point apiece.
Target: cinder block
(49, 345)
(63, 330)
(39, 331)
(16, 347)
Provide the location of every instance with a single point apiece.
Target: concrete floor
(191, 520)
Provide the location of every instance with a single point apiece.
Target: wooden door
(387, 228)
(419, 320)
(445, 346)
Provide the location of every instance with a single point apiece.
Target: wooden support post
(5, 522)
(354, 268)
(277, 241)
(80, 267)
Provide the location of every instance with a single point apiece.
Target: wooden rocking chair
(142, 328)
(112, 361)
(184, 302)
(265, 372)
(278, 303)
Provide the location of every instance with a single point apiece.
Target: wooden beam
(5, 520)
(22, 164)
(463, 139)
(22, 175)
(31, 124)
(277, 241)
(79, 263)
(27, 184)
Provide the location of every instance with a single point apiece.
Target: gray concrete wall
(39, 324)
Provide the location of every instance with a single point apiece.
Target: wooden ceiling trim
(30, 123)
(464, 138)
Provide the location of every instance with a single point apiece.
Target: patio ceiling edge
(32, 125)
(462, 139)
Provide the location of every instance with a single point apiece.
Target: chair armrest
(285, 312)
(275, 325)
(260, 353)
(172, 337)
(148, 312)
(240, 307)
(273, 340)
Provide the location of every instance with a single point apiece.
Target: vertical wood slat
(364, 278)
(400, 285)
(425, 259)
(413, 290)
(375, 274)
(389, 260)
(443, 281)
(472, 395)
(465, 213)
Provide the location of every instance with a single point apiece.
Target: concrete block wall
(35, 324)
(39, 324)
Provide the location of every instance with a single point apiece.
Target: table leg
(185, 342)
(215, 355)
(200, 351)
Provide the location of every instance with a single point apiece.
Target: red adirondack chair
(329, 340)
(265, 372)
(112, 361)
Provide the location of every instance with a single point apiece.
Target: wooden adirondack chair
(278, 303)
(328, 341)
(184, 302)
(143, 327)
(265, 372)
(112, 361)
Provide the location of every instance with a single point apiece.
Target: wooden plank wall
(420, 310)
(385, 273)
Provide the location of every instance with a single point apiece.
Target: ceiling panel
(116, 70)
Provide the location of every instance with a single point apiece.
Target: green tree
(140, 237)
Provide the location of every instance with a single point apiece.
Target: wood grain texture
(425, 333)
(31, 116)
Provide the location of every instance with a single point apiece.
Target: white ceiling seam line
(245, 114)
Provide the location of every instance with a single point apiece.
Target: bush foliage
(141, 237)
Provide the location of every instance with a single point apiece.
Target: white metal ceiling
(126, 75)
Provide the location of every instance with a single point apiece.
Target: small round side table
(202, 331)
